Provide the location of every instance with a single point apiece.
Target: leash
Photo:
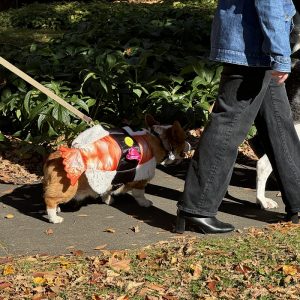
(45, 90)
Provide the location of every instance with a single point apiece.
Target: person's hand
(280, 76)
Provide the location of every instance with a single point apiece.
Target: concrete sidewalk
(121, 226)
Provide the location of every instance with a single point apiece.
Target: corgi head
(172, 138)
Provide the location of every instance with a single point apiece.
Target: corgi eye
(182, 154)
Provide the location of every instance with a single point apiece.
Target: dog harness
(130, 156)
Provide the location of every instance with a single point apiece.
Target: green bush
(115, 62)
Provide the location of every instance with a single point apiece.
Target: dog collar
(169, 152)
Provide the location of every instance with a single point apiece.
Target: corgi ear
(150, 121)
(178, 133)
(159, 129)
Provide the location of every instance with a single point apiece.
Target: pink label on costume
(133, 154)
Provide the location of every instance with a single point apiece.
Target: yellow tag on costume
(128, 141)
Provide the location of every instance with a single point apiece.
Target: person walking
(251, 39)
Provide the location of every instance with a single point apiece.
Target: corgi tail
(73, 162)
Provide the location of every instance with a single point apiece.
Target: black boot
(203, 224)
(291, 217)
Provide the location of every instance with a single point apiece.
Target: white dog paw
(144, 202)
(53, 217)
(267, 203)
(56, 219)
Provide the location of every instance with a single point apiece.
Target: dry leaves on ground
(234, 267)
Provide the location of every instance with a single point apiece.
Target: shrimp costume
(109, 158)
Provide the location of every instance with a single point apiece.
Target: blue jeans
(247, 95)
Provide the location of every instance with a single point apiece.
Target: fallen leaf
(70, 247)
(112, 274)
(8, 270)
(9, 216)
(155, 287)
(123, 298)
(5, 260)
(55, 289)
(38, 296)
(132, 285)
(4, 285)
(149, 297)
(39, 274)
(135, 229)
(96, 297)
(170, 297)
(142, 255)
(174, 260)
(100, 247)
(49, 231)
(110, 230)
(31, 258)
(39, 280)
(242, 269)
(77, 252)
(212, 285)
(289, 270)
(119, 265)
(197, 270)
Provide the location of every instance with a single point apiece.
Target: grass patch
(256, 264)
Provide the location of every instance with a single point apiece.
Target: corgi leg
(139, 195)
(263, 171)
(52, 210)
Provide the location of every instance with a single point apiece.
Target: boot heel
(180, 224)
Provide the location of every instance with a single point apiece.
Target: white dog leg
(263, 171)
(107, 199)
(139, 196)
(53, 217)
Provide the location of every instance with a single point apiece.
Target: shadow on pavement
(249, 210)
(28, 200)
(152, 216)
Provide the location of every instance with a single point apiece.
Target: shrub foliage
(113, 61)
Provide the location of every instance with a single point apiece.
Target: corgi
(110, 162)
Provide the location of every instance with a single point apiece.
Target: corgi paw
(144, 202)
(56, 219)
(52, 216)
(267, 203)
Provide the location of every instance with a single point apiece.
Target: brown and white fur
(58, 188)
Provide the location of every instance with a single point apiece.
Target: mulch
(21, 168)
